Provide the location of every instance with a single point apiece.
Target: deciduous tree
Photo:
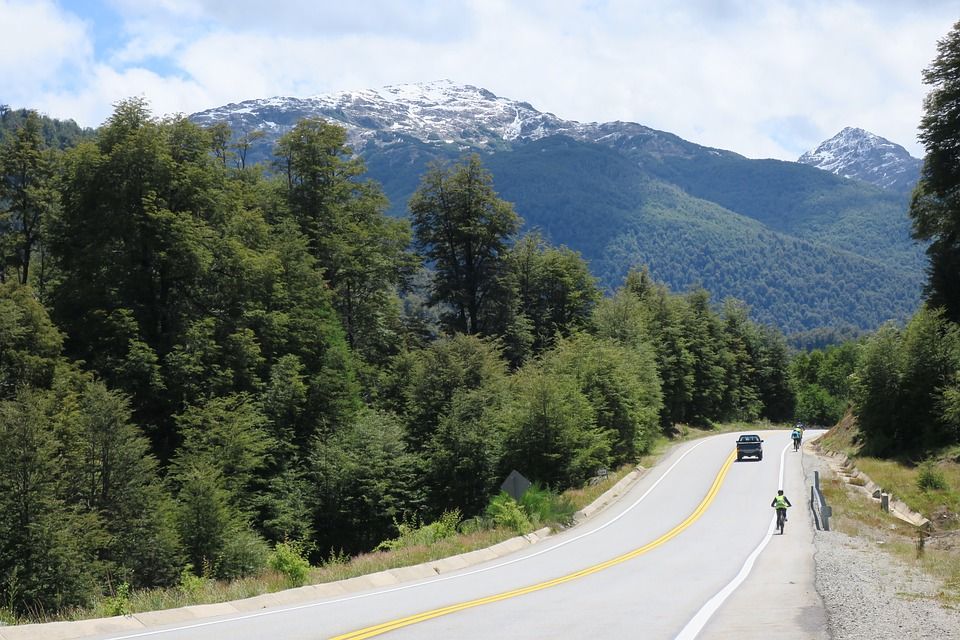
(464, 230)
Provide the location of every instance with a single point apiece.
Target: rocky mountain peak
(440, 112)
(859, 154)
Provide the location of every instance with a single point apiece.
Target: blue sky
(763, 78)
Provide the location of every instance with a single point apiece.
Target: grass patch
(905, 483)
(341, 568)
(590, 492)
(857, 515)
(844, 437)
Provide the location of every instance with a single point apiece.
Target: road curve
(647, 566)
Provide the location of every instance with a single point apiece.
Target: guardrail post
(821, 510)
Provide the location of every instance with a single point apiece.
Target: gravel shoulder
(869, 593)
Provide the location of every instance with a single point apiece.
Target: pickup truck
(749, 446)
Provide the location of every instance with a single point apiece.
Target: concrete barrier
(309, 593)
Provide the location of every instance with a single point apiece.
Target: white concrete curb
(139, 621)
(898, 508)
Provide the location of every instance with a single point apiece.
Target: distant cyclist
(797, 436)
(780, 503)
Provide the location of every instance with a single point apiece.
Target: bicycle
(780, 503)
(796, 444)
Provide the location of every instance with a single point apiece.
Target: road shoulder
(779, 598)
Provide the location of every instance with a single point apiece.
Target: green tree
(815, 405)
(877, 390)
(822, 382)
(436, 374)
(931, 360)
(229, 434)
(904, 381)
(935, 207)
(48, 548)
(361, 251)
(711, 358)
(106, 468)
(140, 202)
(621, 384)
(205, 518)
(463, 229)
(462, 458)
(28, 195)
(555, 291)
(551, 430)
(364, 481)
(772, 366)
(30, 344)
(183, 290)
(741, 400)
(663, 321)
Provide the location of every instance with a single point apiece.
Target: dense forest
(807, 250)
(201, 358)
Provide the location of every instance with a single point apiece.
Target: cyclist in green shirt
(780, 503)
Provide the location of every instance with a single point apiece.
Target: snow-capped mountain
(440, 113)
(623, 195)
(859, 154)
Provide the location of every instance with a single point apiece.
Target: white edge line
(311, 605)
(700, 619)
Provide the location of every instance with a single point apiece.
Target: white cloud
(41, 46)
(768, 79)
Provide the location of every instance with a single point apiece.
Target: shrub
(337, 557)
(244, 553)
(119, 603)
(545, 507)
(289, 559)
(190, 583)
(931, 478)
(412, 535)
(506, 512)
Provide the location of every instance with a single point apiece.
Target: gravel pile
(869, 593)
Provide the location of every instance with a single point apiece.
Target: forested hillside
(623, 194)
(618, 216)
(199, 361)
(806, 249)
(58, 134)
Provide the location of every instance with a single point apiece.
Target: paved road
(642, 568)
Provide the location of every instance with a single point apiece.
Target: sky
(764, 78)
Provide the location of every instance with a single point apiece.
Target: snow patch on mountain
(435, 112)
(859, 154)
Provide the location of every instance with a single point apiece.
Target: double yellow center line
(392, 625)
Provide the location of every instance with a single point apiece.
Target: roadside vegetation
(288, 565)
(211, 371)
(931, 488)
(219, 379)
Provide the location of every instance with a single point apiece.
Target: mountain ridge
(828, 250)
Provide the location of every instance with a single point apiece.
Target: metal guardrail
(818, 504)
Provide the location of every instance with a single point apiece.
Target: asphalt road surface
(665, 561)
